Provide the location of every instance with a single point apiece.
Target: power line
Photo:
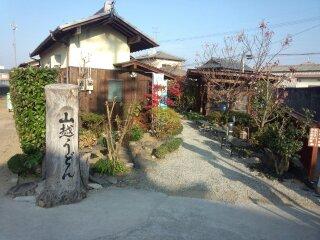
(299, 33)
(295, 34)
(284, 24)
(299, 54)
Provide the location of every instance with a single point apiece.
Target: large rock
(140, 157)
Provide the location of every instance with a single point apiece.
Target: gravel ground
(201, 169)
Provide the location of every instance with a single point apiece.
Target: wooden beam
(134, 39)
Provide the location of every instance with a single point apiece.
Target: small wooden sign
(314, 137)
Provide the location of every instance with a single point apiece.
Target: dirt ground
(9, 146)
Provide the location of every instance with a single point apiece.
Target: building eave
(116, 22)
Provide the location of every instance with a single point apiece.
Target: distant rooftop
(304, 67)
(160, 55)
(174, 70)
(222, 63)
(2, 70)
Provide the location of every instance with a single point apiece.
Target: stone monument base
(49, 198)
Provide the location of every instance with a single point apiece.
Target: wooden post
(62, 168)
(313, 163)
(314, 142)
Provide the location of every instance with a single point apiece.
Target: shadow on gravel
(140, 179)
(236, 174)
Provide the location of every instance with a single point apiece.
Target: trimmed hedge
(166, 122)
(168, 147)
(29, 106)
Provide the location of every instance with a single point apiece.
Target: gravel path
(201, 169)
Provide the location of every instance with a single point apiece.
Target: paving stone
(30, 199)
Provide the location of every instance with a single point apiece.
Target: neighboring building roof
(140, 41)
(34, 63)
(135, 64)
(305, 67)
(175, 70)
(221, 63)
(160, 55)
(4, 70)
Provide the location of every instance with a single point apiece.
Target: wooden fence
(133, 88)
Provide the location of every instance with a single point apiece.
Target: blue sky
(165, 19)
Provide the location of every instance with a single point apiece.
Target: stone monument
(62, 184)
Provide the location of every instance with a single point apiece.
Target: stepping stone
(112, 180)
(95, 186)
(99, 180)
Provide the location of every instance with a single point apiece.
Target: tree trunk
(62, 167)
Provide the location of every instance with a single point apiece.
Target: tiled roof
(160, 55)
(175, 70)
(100, 17)
(221, 63)
(305, 67)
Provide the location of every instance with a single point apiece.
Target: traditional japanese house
(94, 52)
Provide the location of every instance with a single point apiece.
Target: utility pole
(14, 28)
(155, 32)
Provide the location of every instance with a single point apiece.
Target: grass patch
(108, 167)
(168, 147)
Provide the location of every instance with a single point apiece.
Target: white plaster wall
(101, 47)
(159, 62)
(47, 58)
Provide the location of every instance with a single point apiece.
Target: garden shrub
(102, 141)
(108, 167)
(215, 117)
(23, 164)
(87, 139)
(242, 119)
(168, 147)
(284, 137)
(194, 116)
(178, 130)
(166, 122)
(16, 163)
(136, 133)
(29, 106)
(92, 121)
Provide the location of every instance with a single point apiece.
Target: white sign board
(158, 79)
